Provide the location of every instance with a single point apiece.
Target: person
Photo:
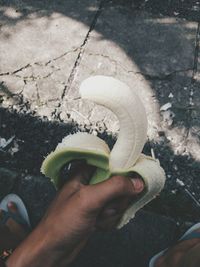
(78, 210)
(185, 253)
(13, 230)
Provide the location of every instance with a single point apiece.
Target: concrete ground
(48, 47)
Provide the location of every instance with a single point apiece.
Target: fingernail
(10, 204)
(138, 185)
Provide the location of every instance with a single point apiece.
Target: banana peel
(126, 157)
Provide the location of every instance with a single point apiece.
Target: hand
(75, 214)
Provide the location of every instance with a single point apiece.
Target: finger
(113, 211)
(77, 170)
(80, 173)
(111, 214)
(116, 206)
(80, 176)
(98, 195)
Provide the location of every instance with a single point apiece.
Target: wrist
(36, 251)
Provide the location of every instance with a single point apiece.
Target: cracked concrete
(154, 63)
(46, 48)
(49, 32)
(158, 55)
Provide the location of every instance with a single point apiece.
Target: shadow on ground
(131, 246)
(134, 244)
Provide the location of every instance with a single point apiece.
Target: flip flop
(21, 217)
(189, 234)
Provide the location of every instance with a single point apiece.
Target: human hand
(74, 215)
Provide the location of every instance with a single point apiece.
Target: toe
(12, 207)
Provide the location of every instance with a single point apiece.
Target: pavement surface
(47, 48)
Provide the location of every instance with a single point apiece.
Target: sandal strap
(192, 235)
(7, 215)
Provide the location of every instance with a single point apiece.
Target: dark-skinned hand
(78, 210)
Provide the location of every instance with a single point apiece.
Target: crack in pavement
(35, 78)
(166, 76)
(42, 64)
(82, 49)
(56, 112)
(195, 64)
(67, 86)
(26, 79)
(191, 106)
(196, 53)
(37, 93)
(63, 55)
(16, 71)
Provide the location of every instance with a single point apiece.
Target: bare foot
(177, 255)
(12, 232)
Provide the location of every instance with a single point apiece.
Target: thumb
(117, 186)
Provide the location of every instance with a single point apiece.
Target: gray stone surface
(34, 31)
(142, 50)
(39, 46)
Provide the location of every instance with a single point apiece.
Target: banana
(117, 97)
(126, 157)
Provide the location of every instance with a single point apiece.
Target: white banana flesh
(127, 106)
(84, 141)
(125, 157)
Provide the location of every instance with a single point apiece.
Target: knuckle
(120, 182)
(84, 198)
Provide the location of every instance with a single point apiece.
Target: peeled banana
(125, 158)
